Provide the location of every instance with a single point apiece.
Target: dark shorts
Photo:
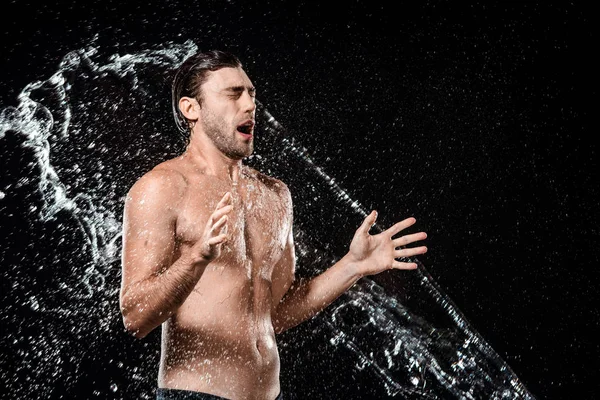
(176, 394)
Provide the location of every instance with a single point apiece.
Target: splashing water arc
(79, 139)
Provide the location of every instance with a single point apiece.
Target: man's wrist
(353, 266)
(194, 264)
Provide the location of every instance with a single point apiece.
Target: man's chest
(258, 224)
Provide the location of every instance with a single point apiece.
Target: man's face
(227, 111)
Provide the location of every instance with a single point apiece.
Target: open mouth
(246, 128)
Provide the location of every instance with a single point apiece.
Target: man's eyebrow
(238, 89)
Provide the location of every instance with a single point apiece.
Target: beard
(223, 137)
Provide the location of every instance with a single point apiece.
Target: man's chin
(239, 155)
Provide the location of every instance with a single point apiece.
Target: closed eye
(237, 91)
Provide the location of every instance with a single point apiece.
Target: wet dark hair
(190, 75)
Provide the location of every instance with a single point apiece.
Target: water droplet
(34, 303)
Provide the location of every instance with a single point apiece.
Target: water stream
(71, 149)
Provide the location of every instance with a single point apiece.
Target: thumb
(368, 222)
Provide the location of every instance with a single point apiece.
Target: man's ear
(189, 108)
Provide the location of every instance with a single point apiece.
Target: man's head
(212, 94)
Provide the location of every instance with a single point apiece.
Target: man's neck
(202, 155)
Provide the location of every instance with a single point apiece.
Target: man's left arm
(296, 301)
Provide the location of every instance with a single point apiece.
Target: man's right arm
(153, 285)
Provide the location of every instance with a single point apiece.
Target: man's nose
(248, 102)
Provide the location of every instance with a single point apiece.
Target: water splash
(79, 140)
(461, 362)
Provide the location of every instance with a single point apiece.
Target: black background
(475, 119)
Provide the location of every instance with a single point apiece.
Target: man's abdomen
(221, 341)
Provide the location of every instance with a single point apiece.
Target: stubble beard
(224, 139)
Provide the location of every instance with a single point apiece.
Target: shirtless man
(208, 249)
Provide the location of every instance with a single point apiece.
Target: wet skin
(208, 254)
(221, 340)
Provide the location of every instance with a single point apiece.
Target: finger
(404, 265)
(398, 226)
(226, 199)
(411, 251)
(216, 215)
(368, 222)
(217, 227)
(404, 240)
(218, 239)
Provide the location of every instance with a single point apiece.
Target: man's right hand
(215, 232)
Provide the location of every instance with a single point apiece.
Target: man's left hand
(373, 254)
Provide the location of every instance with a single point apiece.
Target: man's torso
(221, 340)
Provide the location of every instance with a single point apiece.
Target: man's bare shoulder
(166, 181)
(271, 183)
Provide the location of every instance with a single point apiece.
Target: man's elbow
(282, 321)
(133, 327)
(132, 318)
(278, 329)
